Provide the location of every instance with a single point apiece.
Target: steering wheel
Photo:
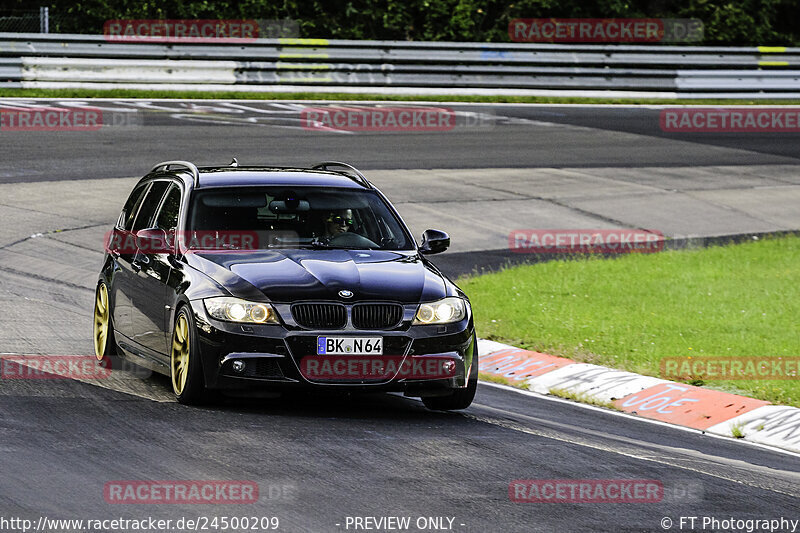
(351, 240)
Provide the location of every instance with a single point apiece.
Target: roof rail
(353, 173)
(189, 166)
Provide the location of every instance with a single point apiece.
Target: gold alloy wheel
(179, 356)
(101, 321)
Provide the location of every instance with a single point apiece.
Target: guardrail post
(44, 19)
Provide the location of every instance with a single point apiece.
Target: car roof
(254, 176)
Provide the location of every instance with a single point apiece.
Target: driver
(338, 222)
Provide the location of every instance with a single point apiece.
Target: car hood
(292, 275)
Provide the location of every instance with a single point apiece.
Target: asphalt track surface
(318, 460)
(484, 137)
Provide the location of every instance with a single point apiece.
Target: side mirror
(153, 241)
(434, 241)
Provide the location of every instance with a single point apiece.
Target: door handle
(140, 261)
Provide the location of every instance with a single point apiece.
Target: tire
(186, 372)
(105, 345)
(459, 398)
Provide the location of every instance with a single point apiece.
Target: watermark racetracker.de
(672, 491)
(198, 30)
(20, 118)
(211, 522)
(608, 30)
(379, 118)
(76, 367)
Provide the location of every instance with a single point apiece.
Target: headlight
(237, 310)
(444, 311)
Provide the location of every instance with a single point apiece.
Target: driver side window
(131, 207)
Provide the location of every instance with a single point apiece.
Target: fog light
(238, 366)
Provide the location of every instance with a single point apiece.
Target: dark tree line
(727, 22)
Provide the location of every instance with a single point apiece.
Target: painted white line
(408, 102)
(550, 398)
(189, 82)
(783, 482)
(775, 426)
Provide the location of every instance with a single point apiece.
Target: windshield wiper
(303, 245)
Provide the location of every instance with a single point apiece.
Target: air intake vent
(377, 316)
(320, 315)
(262, 367)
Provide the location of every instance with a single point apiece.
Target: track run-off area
(320, 462)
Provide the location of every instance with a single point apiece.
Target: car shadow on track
(310, 404)
(333, 405)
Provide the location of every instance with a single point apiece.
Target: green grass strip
(739, 300)
(235, 95)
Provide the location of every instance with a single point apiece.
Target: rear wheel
(105, 347)
(459, 398)
(185, 369)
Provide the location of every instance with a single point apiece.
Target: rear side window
(149, 205)
(131, 207)
(167, 218)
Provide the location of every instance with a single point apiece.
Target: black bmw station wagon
(232, 278)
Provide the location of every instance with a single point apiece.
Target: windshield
(298, 217)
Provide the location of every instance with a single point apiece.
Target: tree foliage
(727, 22)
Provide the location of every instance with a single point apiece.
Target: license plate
(349, 345)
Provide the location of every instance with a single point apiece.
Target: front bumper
(273, 356)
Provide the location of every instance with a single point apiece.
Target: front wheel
(185, 369)
(459, 398)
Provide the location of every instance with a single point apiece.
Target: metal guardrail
(11, 69)
(58, 60)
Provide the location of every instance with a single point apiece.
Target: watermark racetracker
(199, 30)
(730, 368)
(730, 120)
(585, 491)
(369, 367)
(585, 241)
(181, 492)
(81, 367)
